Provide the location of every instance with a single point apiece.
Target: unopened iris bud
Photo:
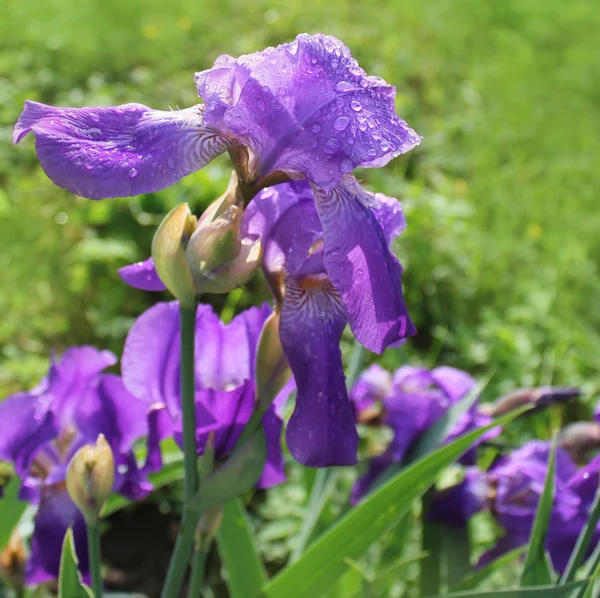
(537, 397)
(272, 368)
(168, 253)
(90, 478)
(579, 439)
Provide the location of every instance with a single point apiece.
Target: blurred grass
(501, 255)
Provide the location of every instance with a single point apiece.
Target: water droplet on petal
(315, 128)
(314, 144)
(346, 165)
(332, 145)
(372, 152)
(133, 173)
(355, 105)
(170, 163)
(340, 123)
(344, 86)
(292, 48)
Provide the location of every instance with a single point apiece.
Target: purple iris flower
(518, 482)
(225, 378)
(411, 401)
(40, 431)
(321, 279)
(305, 109)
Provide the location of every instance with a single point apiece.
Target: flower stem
(93, 534)
(199, 566)
(189, 521)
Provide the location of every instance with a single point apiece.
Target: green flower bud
(168, 252)
(272, 368)
(90, 478)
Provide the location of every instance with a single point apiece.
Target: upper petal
(362, 268)
(306, 108)
(143, 276)
(120, 150)
(321, 431)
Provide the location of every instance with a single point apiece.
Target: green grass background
(501, 254)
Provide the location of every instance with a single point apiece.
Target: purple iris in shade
(305, 109)
(41, 429)
(518, 482)
(411, 401)
(225, 373)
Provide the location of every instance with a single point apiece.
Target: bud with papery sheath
(90, 478)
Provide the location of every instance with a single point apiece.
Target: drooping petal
(321, 431)
(362, 268)
(142, 276)
(120, 150)
(55, 515)
(306, 108)
(26, 424)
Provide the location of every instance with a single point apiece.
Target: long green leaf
(327, 559)
(475, 579)
(583, 542)
(456, 544)
(537, 592)
(430, 580)
(70, 584)
(245, 571)
(537, 570)
(11, 510)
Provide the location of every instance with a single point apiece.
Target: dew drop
(313, 59)
(334, 63)
(170, 163)
(346, 165)
(344, 86)
(332, 145)
(372, 152)
(355, 105)
(314, 144)
(261, 104)
(95, 117)
(133, 173)
(316, 128)
(340, 123)
(292, 48)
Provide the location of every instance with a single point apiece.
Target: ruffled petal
(142, 276)
(362, 268)
(121, 150)
(389, 213)
(56, 514)
(306, 108)
(321, 431)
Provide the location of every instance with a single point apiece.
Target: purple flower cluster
(410, 401)
(41, 430)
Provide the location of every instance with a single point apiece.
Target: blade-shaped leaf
(327, 559)
(70, 584)
(537, 592)
(456, 545)
(431, 565)
(537, 570)
(583, 542)
(246, 573)
(11, 510)
(479, 576)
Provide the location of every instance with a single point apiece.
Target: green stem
(93, 534)
(199, 566)
(189, 521)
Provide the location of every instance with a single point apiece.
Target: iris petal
(118, 151)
